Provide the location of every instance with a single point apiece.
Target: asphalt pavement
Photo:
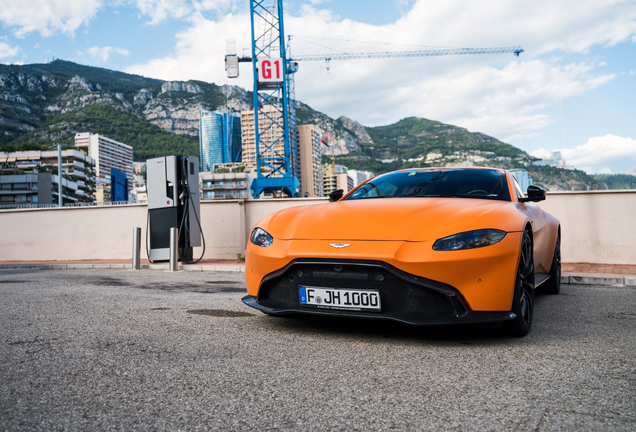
(117, 349)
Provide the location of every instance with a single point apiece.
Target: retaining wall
(597, 227)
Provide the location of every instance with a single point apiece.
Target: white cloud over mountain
(607, 154)
(8, 51)
(103, 53)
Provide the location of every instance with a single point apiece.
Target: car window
(520, 193)
(456, 183)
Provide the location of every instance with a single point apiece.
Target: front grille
(403, 296)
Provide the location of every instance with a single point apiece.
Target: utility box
(172, 184)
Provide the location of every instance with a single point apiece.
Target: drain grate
(220, 313)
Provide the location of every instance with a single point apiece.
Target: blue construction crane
(275, 99)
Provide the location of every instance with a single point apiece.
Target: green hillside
(412, 137)
(617, 181)
(146, 139)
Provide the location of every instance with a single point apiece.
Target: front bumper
(405, 298)
(485, 277)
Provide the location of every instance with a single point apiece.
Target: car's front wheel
(523, 299)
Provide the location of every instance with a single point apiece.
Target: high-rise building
(107, 154)
(335, 177)
(219, 139)
(271, 136)
(310, 163)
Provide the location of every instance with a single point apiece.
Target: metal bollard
(174, 249)
(136, 258)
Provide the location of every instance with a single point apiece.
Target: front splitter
(470, 317)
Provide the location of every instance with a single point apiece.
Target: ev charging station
(172, 184)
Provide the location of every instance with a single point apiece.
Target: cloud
(103, 53)
(541, 153)
(48, 16)
(200, 51)
(159, 10)
(66, 16)
(501, 95)
(606, 154)
(8, 51)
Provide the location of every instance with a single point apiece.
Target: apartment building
(310, 162)
(335, 177)
(27, 177)
(359, 176)
(107, 154)
(218, 186)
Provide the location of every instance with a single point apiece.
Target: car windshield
(455, 183)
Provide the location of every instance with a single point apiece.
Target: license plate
(343, 299)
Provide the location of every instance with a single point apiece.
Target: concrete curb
(165, 267)
(572, 279)
(606, 280)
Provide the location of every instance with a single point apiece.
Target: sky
(573, 89)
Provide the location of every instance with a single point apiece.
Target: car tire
(523, 298)
(553, 285)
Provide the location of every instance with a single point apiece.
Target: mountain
(46, 104)
(618, 181)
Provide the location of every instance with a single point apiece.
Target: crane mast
(276, 147)
(274, 127)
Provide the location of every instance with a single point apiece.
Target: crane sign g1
(270, 70)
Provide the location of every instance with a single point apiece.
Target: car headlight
(260, 237)
(470, 240)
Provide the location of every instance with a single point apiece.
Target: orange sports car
(422, 246)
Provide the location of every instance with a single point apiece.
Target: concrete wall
(597, 227)
(88, 233)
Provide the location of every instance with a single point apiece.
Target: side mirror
(336, 195)
(535, 194)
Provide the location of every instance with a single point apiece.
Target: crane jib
(396, 54)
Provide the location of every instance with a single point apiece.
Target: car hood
(405, 219)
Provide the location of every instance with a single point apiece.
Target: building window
(21, 198)
(6, 186)
(19, 186)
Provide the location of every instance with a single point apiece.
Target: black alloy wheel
(553, 285)
(523, 299)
